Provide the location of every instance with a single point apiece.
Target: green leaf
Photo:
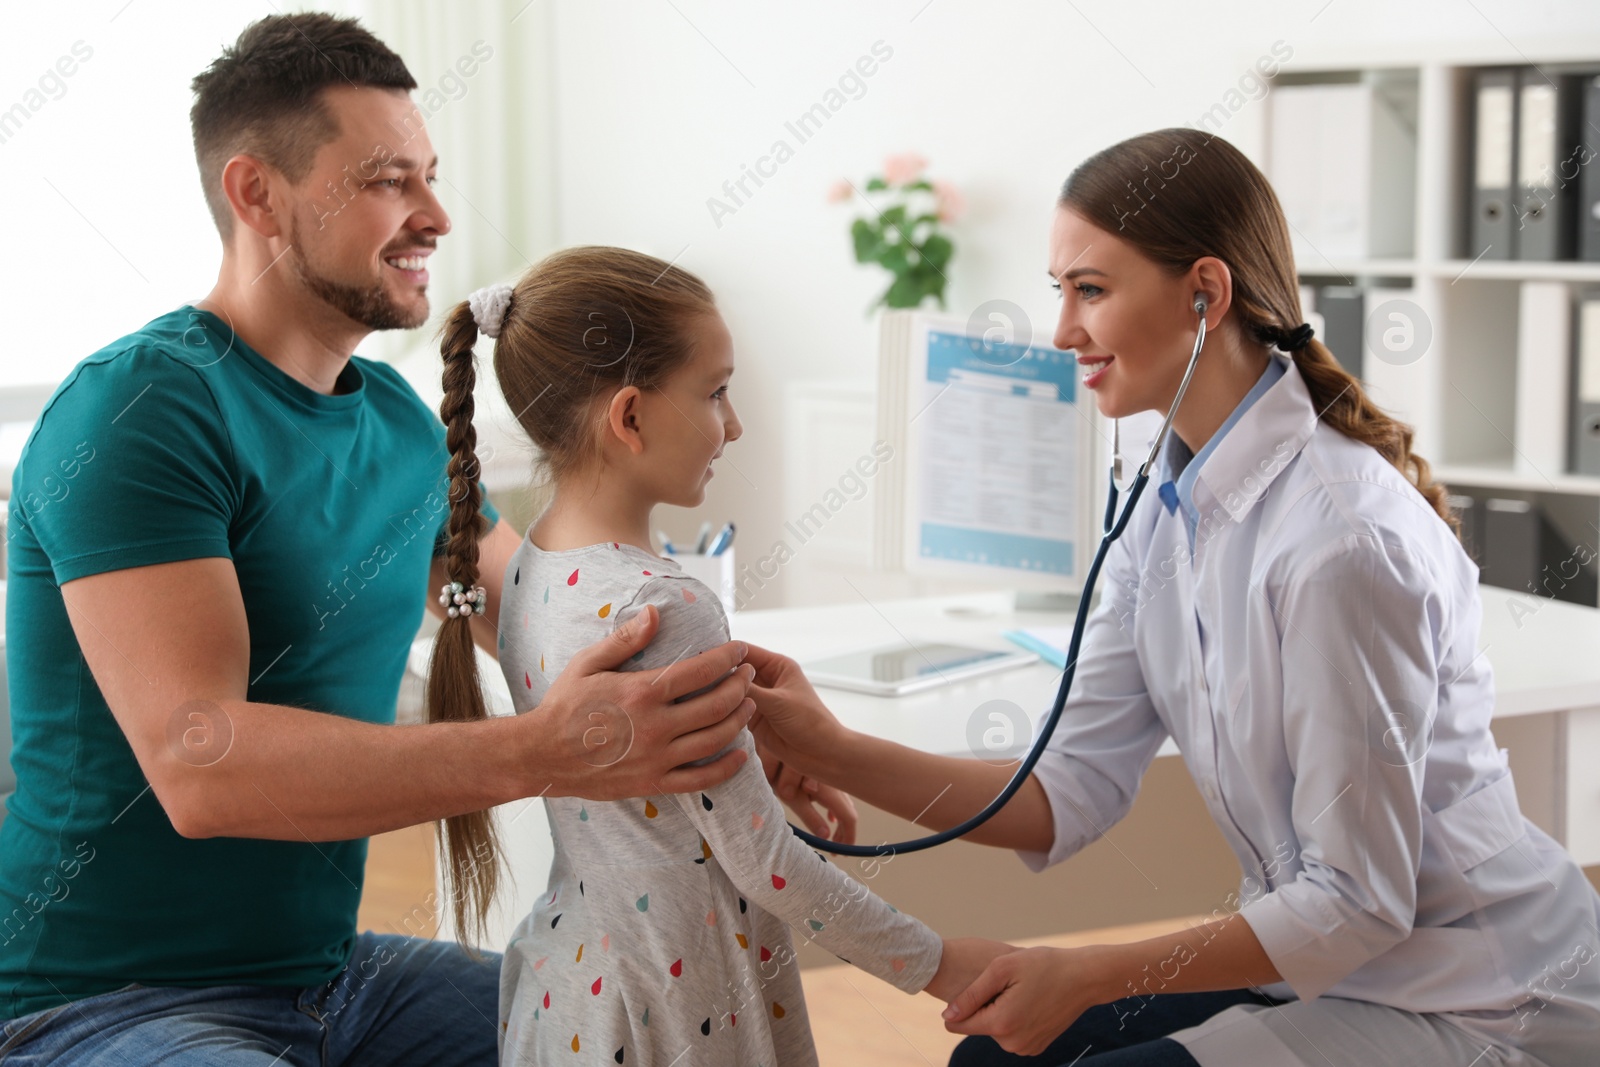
(894, 258)
(906, 292)
(895, 216)
(875, 184)
(937, 250)
(920, 183)
(868, 240)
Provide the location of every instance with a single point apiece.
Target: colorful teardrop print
(643, 903)
(516, 579)
(650, 811)
(547, 1000)
(676, 969)
(580, 955)
(778, 882)
(711, 917)
(690, 597)
(547, 594)
(705, 802)
(595, 989)
(618, 1054)
(574, 1042)
(583, 814)
(756, 821)
(777, 1010)
(743, 941)
(572, 579)
(705, 1027)
(605, 610)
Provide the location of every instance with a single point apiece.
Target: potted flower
(906, 238)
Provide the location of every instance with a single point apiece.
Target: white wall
(653, 106)
(659, 104)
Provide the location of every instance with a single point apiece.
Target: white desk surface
(1545, 655)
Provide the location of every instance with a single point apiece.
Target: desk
(1545, 655)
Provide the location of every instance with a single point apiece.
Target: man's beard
(372, 306)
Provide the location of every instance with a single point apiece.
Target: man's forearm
(295, 775)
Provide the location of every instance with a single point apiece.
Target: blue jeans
(1126, 1033)
(401, 1000)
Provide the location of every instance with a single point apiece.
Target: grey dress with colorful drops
(664, 934)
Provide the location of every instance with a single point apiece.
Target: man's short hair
(263, 96)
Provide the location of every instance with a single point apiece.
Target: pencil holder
(717, 572)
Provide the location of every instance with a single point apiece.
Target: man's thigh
(250, 1025)
(403, 1000)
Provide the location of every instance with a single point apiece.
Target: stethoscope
(1112, 529)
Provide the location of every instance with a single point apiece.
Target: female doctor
(1294, 608)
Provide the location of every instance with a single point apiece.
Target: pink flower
(951, 205)
(839, 191)
(903, 168)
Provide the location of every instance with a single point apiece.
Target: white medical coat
(1315, 659)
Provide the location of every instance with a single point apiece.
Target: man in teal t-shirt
(224, 531)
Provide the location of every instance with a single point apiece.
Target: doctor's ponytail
(1177, 195)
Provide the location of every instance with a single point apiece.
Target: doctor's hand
(791, 723)
(963, 960)
(1025, 999)
(826, 812)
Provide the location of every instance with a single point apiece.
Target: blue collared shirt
(1179, 492)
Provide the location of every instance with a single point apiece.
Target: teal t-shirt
(180, 442)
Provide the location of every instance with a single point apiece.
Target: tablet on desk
(900, 669)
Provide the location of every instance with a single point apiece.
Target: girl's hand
(964, 959)
(826, 812)
(1025, 999)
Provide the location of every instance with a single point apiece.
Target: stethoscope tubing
(1112, 527)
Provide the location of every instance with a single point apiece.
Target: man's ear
(249, 184)
(622, 418)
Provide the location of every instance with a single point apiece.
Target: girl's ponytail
(468, 848)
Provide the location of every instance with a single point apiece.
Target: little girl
(664, 936)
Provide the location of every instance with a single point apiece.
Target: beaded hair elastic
(457, 599)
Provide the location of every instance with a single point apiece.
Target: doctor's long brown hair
(582, 323)
(1177, 195)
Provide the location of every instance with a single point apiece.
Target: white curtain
(485, 81)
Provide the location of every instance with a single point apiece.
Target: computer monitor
(1003, 454)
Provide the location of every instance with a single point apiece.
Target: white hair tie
(489, 308)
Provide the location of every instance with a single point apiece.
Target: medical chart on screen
(999, 440)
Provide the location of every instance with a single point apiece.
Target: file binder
(1470, 516)
(1588, 208)
(1546, 165)
(1585, 391)
(1343, 319)
(1494, 150)
(1510, 544)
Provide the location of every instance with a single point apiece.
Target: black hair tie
(1296, 339)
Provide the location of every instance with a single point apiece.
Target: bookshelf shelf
(1490, 394)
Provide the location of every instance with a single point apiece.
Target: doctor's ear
(1210, 289)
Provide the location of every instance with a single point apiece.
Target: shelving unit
(1489, 406)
